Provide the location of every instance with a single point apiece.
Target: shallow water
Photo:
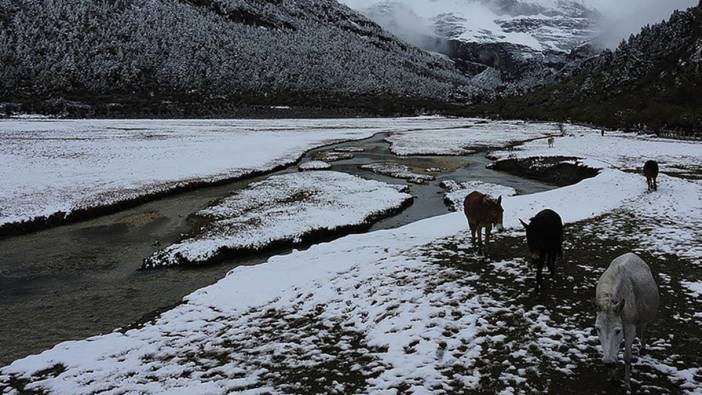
(83, 279)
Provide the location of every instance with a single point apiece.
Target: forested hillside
(652, 81)
(101, 56)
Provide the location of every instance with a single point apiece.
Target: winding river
(80, 280)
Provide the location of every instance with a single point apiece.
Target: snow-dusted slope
(152, 50)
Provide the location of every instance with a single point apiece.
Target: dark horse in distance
(544, 238)
(650, 170)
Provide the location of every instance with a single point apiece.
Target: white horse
(627, 300)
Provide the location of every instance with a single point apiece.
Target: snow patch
(475, 135)
(283, 208)
(314, 165)
(397, 170)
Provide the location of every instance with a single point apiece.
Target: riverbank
(69, 282)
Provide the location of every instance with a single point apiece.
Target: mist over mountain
(651, 82)
(513, 46)
(625, 17)
(538, 24)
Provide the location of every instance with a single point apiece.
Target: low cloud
(625, 17)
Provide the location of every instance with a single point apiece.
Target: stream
(83, 279)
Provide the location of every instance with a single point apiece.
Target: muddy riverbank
(83, 279)
(560, 171)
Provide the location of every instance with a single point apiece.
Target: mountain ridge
(650, 82)
(526, 42)
(66, 56)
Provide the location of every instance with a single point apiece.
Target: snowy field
(284, 209)
(414, 309)
(456, 192)
(475, 135)
(52, 166)
(669, 221)
(620, 150)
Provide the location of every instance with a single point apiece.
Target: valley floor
(56, 170)
(415, 309)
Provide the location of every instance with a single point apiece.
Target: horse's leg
(642, 338)
(472, 233)
(479, 229)
(629, 335)
(551, 259)
(488, 229)
(539, 270)
(655, 183)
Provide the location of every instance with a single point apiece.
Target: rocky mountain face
(651, 81)
(159, 54)
(508, 45)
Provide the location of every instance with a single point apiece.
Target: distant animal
(482, 211)
(544, 239)
(550, 142)
(650, 170)
(627, 300)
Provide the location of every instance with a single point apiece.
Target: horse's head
(496, 212)
(610, 330)
(534, 247)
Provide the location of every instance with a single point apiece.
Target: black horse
(650, 170)
(544, 238)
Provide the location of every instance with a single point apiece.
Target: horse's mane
(606, 286)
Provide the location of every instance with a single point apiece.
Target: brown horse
(650, 170)
(482, 211)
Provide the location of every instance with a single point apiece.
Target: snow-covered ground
(349, 149)
(365, 313)
(415, 309)
(314, 165)
(284, 208)
(456, 192)
(475, 135)
(669, 221)
(333, 156)
(51, 166)
(694, 288)
(397, 170)
(620, 150)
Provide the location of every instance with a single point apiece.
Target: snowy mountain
(509, 44)
(651, 81)
(159, 52)
(558, 25)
